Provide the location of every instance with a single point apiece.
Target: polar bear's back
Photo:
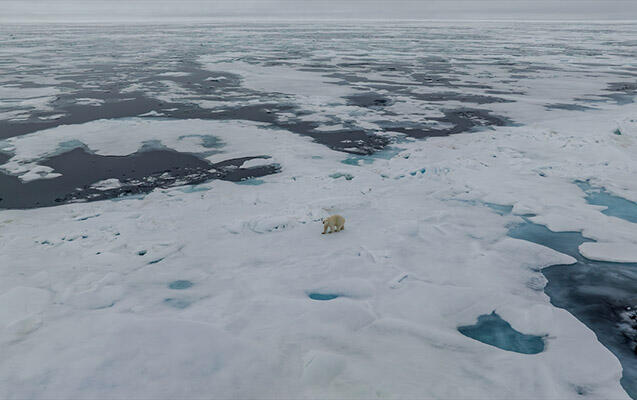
(337, 220)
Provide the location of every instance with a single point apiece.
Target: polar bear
(334, 222)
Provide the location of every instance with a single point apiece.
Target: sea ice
(612, 252)
(86, 285)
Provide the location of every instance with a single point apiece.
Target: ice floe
(613, 252)
(385, 294)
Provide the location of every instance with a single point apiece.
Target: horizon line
(14, 21)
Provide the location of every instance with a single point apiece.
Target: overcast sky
(139, 10)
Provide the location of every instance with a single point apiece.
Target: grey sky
(135, 10)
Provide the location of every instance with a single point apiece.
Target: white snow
(19, 303)
(174, 74)
(256, 162)
(613, 252)
(87, 101)
(9, 92)
(38, 172)
(281, 79)
(107, 184)
(50, 117)
(27, 98)
(152, 113)
(253, 253)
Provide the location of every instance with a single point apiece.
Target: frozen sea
(162, 189)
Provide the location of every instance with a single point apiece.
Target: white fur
(334, 222)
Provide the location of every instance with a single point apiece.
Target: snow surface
(86, 101)
(282, 79)
(107, 184)
(26, 98)
(612, 252)
(247, 328)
